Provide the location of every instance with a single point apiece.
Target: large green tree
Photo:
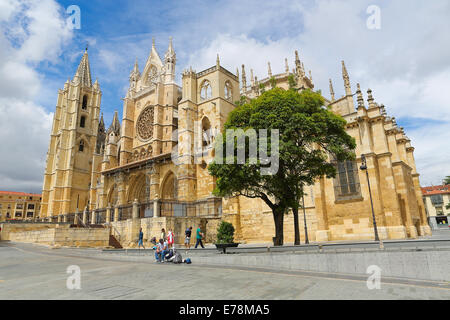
(308, 134)
(446, 180)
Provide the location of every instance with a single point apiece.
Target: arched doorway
(169, 195)
(169, 186)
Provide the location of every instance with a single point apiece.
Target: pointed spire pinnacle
(252, 78)
(84, 71)
(171, 44)
(237, 73)
(244, 79)
(218, 62)
(153, 42)
(370, 98)
(286, 65)
(298, 65)
(115, 125)
(101, 123)
(348, 88)
(136, 66)
(310, 75)
(332, 91)
(269, 70)
(360, 96)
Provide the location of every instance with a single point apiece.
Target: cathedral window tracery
(144, 126)
(228, 90)
(346, 183)
(153, 75)
(205, 90)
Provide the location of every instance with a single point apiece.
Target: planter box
(223, 246)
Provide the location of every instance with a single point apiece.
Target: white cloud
(405, 63)
(32, 32)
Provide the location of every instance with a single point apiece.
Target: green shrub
(225, 233)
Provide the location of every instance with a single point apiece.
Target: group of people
(166, 242)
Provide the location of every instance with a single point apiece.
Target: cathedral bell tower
(73, 142)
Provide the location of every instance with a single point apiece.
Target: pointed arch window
(83, 122)
(346, 183)
(228, 90)
(81, 146)
(85, 101)
(205, 90)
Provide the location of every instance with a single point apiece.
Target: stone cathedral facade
(149, 170)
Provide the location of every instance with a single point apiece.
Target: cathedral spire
(269, 70)
(332, 91)
(252, 78)
(286, 65)
(360, 98)
(218, 62)
(136, 66)
(244, 79)
(83, 74)
(348, 88)
(370, 99)
(115, 125)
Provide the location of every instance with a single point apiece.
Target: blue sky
(405, 62)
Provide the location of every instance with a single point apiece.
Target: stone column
(108, 215)
(156, 208)
(116, 213)
(59, 218)
(135, 213)
(93, 217)
(85, 216)
(64, 217)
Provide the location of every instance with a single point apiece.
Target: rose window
(144, 125)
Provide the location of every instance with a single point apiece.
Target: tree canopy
(308, 135)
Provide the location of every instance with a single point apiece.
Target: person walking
(163, 234)
(187, 238)
(200, 236)
(141, 239)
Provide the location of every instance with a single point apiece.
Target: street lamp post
(364, 168)
(304, 218)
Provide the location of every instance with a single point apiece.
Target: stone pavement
(36, 272)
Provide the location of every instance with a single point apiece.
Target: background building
(436, 198)
(19, 206)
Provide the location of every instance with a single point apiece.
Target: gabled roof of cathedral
(153, 59)
(84, 71)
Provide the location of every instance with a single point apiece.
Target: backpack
(169, 255)
(177, 258)
(188, 261)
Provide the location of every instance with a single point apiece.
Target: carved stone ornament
(144, 126)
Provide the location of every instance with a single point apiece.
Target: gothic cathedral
(150, 171)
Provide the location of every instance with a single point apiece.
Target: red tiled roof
(427, 191)
(12, 193)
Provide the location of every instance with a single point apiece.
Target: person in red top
(170, 238)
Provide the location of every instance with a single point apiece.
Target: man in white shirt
(161, 251)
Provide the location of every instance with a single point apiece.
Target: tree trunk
(296, 227)
(278, 217)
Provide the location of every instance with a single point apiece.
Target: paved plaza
(37, 272)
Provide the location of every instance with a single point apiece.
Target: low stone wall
(422, 265)
(64, 237)
(9, 228)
